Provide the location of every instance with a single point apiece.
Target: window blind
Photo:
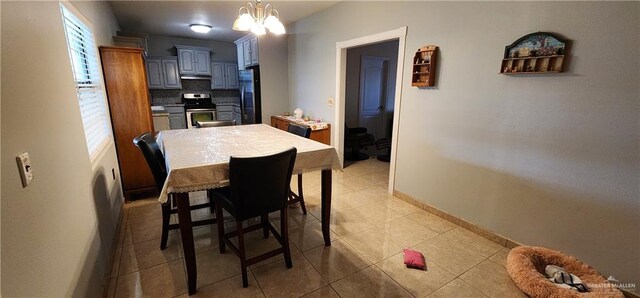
(88, 80)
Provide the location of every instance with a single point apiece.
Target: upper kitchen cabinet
(225, 75)
(247, 51)
(163, 73)
(194, 61)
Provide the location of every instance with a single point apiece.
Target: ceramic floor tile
(336, 261)
(276, 280)
(309, 236)
(213, 266)
(449, 254)
(377, 214)
(143, 231)
(417, 282)
(401, 206)
(457, 288)
(205, 237)
(432, 222)
(166, 280)
(343, 223)
(476, 243)
(501, 256)
(230, 287)
(144, 213)
(356, 183)
(408, 231)
(492, 279)
(369, 282)
(255, 244)
(147, 254)
(324, 292)
(373, 244)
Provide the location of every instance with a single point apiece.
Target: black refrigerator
(249, 80)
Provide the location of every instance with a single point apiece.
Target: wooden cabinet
(163, 73)
(177, 117)
(126, 85)
(194, 60)
(320, 135)
(247, 51)
(224, 75)
(423, 72)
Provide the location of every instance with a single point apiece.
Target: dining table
(198, 159)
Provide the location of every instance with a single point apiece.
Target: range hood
(195, 77)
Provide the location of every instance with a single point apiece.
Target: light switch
(24, 165)
(332, 101)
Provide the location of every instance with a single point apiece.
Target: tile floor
(369, 230)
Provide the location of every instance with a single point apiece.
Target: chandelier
(258, 18)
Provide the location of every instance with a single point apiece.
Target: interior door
(372, 95)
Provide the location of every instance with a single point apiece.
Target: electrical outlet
(24, 164)
(332, 101)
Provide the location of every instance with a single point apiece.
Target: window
(89, 84)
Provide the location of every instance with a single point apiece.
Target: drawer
(225, 116)
(224, 108)
(174, 109)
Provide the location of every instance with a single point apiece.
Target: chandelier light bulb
(258, 19)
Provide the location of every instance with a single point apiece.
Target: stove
(198, 107)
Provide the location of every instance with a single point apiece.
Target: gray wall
(274, 75)
(544, 160)
(56, 233)
(165, 46)
(387, 49)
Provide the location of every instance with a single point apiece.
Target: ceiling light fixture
(200, 28)
(258, 18)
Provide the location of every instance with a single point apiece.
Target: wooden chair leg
(220, 223)
(166, 217)
(265, 225)
(243, 256)
(300, 195)
(212, 202)
(284, 230)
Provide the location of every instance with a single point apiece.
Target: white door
(372, 96)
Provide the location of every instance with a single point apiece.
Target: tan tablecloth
(198, 159)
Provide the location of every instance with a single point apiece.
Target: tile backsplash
(161, 97)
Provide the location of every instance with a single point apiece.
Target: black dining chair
(294, 198)
(216, 123)
(155, 159)
(257, 187)
(357, 138)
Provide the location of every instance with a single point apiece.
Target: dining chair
(294, 198)
(155, 159)
(216, 123)
(257, 187)
(357, 138)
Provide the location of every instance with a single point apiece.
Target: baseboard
(497, 238)
(115, 250)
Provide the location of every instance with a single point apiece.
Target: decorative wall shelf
(424, 67)
(535, 53)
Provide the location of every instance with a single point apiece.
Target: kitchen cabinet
(224, 75)
(247, 48)
(228, 112)
(194, 60)
(163, 73)
(128, 96)
(177, 117)
(320, 135)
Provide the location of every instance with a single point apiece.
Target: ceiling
(172, 18)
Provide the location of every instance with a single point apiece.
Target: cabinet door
(187, 61)
(177, 121)
(225, 116)
(246, 45)
(231, 75)
(154, 73)
(254, 51)
(203, 62)
(217, 76)
(240, 50)
(238, 118)
(171, 74)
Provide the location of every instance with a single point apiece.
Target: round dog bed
(526, 265)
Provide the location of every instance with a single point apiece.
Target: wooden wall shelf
(424, 67)
(535, 53)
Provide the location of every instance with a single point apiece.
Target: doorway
(342, 48)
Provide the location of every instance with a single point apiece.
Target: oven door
(195, 115)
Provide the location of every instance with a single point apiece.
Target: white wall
(545, 160)
(56, 233)
(165, 46)
(274, 75)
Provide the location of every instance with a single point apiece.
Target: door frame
(341, 70)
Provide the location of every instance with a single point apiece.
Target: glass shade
(200, 28)
(244, 22)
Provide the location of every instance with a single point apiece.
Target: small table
(198, 159)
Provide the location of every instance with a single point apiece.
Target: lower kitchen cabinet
(228, 112)
(177, 117)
